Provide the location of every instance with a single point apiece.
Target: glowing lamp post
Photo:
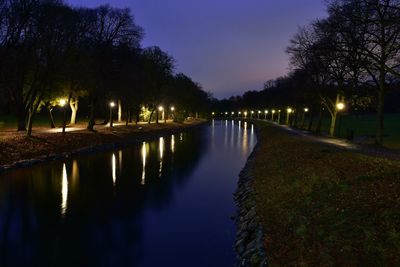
(273, 114)
(289, 111)
(266, 113)
(161, 109)
(251, 114)
(340, 107)
(172, 113)
(62, 104)
(245, 114)
(239, 113)
(112, 105)
(279, 116)
(304, 117)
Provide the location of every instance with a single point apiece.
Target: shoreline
(118, 137)
(249, 241)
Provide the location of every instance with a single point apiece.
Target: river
(165, 202)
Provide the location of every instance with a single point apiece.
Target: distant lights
(289, 110)
(305, 109)
(160, 108)
(266, 111)
(273, 111)
(112, 104)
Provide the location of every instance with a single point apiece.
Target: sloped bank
(249, 243)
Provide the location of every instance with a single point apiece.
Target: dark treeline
(352, 57)
(51, 53)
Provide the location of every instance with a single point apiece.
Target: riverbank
(17, 150)
(321, 205)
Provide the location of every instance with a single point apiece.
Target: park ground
(324, 205)
(364, 128)
(16, 147)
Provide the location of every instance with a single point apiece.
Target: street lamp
(258, 116)
(340, 106)
(252, 112)
(266, 113)
(273, 113)
(305, 110)
(245, 114)
(172, 113)
(289, 110)
(112, 105)
(62, 104)
(161, 109)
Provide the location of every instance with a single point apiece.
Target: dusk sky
(229, 46)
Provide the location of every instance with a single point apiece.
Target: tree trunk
(310, 123)
(74, 110)
(65, 113)
(151, 115)
(32, 112)
(128, 116)
(92, 121)
(21, 119)
(333, 123)
(157, 114)
(52, 125)
(319, 122)
(381, 102)
(119, 111)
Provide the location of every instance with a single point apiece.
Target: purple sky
(229, 46)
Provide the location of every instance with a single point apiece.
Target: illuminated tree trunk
(74, 110)
(119, 111)
(52, 125)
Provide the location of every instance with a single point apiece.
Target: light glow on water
(114, 168)
(161, 149)
(144, 156)
(173, 143)
(64, 191)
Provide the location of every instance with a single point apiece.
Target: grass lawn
(321, 206)
(40, 120)
(364, 127)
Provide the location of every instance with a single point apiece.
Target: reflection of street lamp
(112, 105)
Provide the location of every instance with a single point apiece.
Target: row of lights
(63, 102)
(339, 106)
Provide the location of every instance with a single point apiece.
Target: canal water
(166, 202)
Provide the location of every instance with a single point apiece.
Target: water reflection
(109, 219)
(161, 149)
(64, 190)
(173, 143)
(114, 168)
(144, 156)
